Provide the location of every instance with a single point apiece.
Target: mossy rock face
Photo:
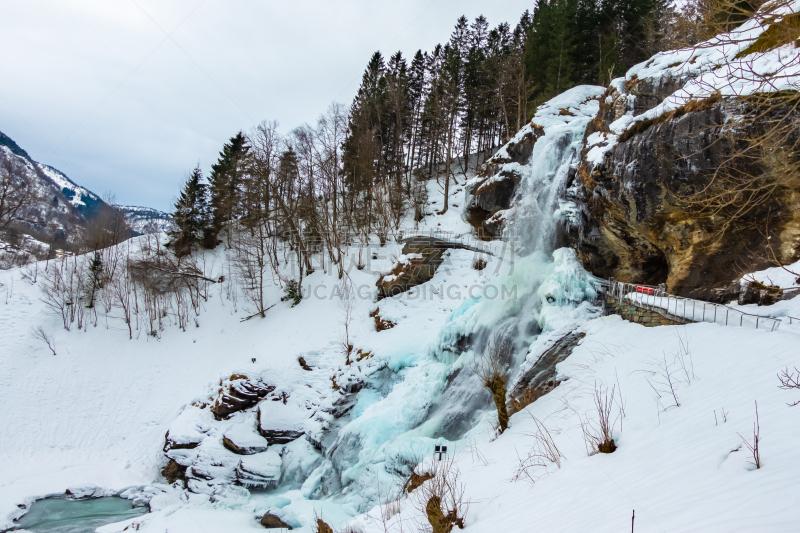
(174, 472)
(779, 34)
(642, 233)
(270, 521)
(237, 394)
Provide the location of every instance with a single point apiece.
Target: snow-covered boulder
(214, 463)
(262, 470)
(243, 439)
(280, 423)
(188, 429)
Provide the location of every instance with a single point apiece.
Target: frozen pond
(60, 515)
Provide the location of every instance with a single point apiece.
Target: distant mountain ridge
(146, 219)
(65, 206)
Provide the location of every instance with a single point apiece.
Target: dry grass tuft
(543, 452)
(381, 324)
(598, 435)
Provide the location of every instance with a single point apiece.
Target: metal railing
(657, 299)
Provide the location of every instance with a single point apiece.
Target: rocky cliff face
(637, 229)
(660, 134)
(492, 191)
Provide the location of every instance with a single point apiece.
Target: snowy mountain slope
(63, 205)
(144, 220)
(53, 185)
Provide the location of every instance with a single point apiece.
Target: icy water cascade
(60, 515)
(438, 397)
(550, 285)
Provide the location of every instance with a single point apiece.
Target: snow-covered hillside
(96, 413)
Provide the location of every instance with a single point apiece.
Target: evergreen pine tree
(190, 214)
(224, 184)
(95, 281)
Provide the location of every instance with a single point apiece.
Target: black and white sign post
(439, 451)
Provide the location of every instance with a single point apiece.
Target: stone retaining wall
(647, 317)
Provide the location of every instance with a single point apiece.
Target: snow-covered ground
(96, 414)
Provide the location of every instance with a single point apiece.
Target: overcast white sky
(126, 96)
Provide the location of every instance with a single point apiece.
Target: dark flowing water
(59, 515)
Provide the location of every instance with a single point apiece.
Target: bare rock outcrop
(237, 394)
(491, 192)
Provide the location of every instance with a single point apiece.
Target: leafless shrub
(490, 368)
(440, 501)
(43, 336)
(388, 507)
(542, 453)
(62, 287)
(320, 526)
(683, 357)
(475, 454)
(665, 381)
(347, 305)
(598, 434)
(253, 249)
(789, 380)
(724, 415)
(754, 446)
(163, 274)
